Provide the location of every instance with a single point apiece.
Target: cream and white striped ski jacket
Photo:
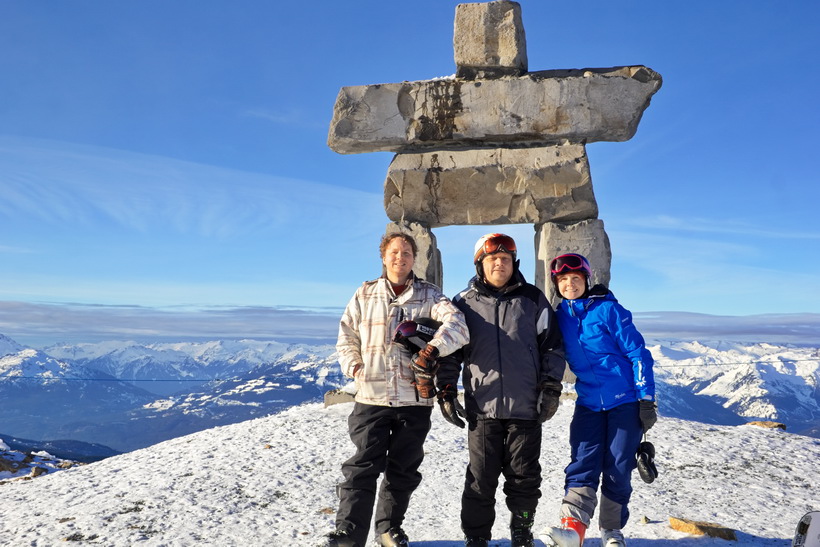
(366, 332)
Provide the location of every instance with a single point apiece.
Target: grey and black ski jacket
(515, 344)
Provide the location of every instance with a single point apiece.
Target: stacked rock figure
(496, 144)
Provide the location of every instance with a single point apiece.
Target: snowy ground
(271, 481)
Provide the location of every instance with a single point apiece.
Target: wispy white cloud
(83, 186)
(711, 267)
(725, 226)
(116, 227)
(796, 328)
(44, 323)
(41, 324)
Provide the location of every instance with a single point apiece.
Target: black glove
(424, 368)
(646, 462)
(451, 409)
(648, 413)
(548, 400)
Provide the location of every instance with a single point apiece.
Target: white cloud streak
(42, 324)
(74, 185)
(45, 323)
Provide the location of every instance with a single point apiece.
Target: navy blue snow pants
(603, 446)
(388, 440)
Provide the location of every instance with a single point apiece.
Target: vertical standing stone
(428, 260)
(489, 40)
(586, 237)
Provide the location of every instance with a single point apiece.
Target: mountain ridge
(722, 383)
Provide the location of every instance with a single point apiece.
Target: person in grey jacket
(512, 371)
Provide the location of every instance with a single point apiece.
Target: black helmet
(414, 335)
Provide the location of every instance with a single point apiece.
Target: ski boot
(521, 528)
(476, 542)
(394, 537)
(570, 534)
(612, 538)
(339, 538)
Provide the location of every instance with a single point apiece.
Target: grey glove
(549, 400)
(648, 412)
(451, 409)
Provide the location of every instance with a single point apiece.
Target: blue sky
(171, 155)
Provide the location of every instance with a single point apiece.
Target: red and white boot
(570, 534)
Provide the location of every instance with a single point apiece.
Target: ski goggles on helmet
(415, 335)
(570, 263)
(494, 243)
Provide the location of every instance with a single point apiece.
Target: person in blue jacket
(615, 405)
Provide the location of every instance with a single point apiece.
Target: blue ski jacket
(605, 351)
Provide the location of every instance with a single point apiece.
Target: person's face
(398, 260)
(571, 285)
(498, 269)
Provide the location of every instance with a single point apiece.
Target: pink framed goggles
(570, 262)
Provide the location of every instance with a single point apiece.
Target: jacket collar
(598, 293)
(411, 280)
(516, 281)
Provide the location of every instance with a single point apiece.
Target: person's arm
(449, 369)
(632, 345)
(550, 344)
(447, 383)
(453, 333)
(349, 342)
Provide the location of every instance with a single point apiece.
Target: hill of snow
(270, 481)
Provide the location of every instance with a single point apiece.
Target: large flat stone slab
(535, 109)
(491, 186)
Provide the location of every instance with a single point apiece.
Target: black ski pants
(388, 440)
(508, 447)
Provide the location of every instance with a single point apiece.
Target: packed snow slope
(270, 482)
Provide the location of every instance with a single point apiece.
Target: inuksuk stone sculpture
(495, 144)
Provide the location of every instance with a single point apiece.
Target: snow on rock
(270, 481)
(16, 465)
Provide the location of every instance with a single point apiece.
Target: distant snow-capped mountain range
(118, 394)
(127, 395)
(167, 368)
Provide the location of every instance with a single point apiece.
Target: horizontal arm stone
(532, 110)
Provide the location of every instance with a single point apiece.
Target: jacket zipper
(498, 348)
